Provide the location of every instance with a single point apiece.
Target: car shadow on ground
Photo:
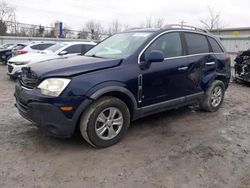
(76, 142)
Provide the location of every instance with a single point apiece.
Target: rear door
(199, 58)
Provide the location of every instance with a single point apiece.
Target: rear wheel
(214, 96)
(105, 122)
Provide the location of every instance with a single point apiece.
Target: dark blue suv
(127, 76)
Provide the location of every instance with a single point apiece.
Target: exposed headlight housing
(53, 86)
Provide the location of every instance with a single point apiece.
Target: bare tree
(3, 28)
(212, 21)
(83, 34)
(95, 29)
(7, 16)
(149, 23)
(40, 30)
(115, 27)
(67, 32)
(160, 22)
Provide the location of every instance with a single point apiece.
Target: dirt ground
(177, 149)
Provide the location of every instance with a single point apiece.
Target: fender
(209, 78)
(112, 86)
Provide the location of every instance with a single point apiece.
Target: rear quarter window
(215, 46)
(196, 43)
(41, 46)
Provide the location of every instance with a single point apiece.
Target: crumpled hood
(70, 66)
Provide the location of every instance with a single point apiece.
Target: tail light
(22, 52)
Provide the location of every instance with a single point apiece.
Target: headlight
(21, 62)
(53, 86)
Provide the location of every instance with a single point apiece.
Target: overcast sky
(74, 13)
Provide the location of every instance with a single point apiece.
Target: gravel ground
(179, 148)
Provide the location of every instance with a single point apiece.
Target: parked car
(127, 76)
(3, 46)
(6, 51)
(242, 66)
(34, 47)
(59, 50)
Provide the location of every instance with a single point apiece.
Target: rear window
(196, 43)
(215, 46)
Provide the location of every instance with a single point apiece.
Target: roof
(78, 43)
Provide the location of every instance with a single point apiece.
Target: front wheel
(214, 96)
(105, 122)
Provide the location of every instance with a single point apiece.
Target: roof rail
(185, 27)
(134, 28)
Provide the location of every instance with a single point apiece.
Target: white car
(59, 50)
(34, 47)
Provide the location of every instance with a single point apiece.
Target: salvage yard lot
(178, 148)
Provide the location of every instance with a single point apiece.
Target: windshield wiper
(94, 56)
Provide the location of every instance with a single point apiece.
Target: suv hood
(70, 66)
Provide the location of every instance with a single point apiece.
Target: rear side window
(41, 46)
(196, 43)
(74, 49)
(170, 45)
(35, 47)
(215, 46)
(45, 46)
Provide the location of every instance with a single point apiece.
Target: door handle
(210, 63)
(182, 68)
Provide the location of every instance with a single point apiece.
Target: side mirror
(153, 57)
(63, 53)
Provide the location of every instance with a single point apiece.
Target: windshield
(119, 46)
(56, 47)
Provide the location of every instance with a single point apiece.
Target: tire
(98, 127)
(210, 102)
(12, 77)
(7, 59)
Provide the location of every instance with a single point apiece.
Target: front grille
(28, 78)
(10, 68)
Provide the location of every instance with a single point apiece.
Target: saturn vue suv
(129, 75)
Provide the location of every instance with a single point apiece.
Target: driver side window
(170, 45)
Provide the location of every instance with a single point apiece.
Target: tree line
(91, 30)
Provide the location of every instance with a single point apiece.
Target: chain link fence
(30, 30)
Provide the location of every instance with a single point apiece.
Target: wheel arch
(119, 92)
